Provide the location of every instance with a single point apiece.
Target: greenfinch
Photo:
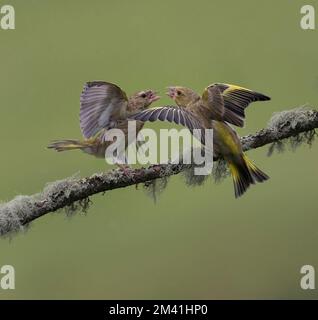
(219, 106)
(104, 106)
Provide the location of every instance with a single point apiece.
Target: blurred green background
(194, 242)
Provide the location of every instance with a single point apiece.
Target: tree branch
(74, 193)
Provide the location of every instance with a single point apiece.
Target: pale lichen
(14, 212)
(154, 188)
(293, 119)
(220, 171)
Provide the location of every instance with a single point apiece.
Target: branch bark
(22, 210)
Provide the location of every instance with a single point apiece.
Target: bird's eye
(143, 95)
(179, 93)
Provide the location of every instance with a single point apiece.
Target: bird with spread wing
(104, 106)
(219, 106)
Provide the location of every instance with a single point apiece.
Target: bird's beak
(172, 93)
(153, 96)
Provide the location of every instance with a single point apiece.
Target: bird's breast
(225, 139)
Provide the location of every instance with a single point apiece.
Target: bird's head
(182, 96)
(142, 99)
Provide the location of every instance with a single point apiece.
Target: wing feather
(236, 100)
(213, 98)
(172, 114)
(101, 103)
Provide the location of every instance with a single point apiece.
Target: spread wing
(174, 114)
(101, 103)
(236, 99)
(171, 114)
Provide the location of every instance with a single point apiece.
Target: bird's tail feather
(257, 174)
(245, 173)
(68, 144)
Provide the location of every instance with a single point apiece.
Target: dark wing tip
(262, 97)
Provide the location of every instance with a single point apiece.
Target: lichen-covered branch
(282, 125)
(73, 193)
